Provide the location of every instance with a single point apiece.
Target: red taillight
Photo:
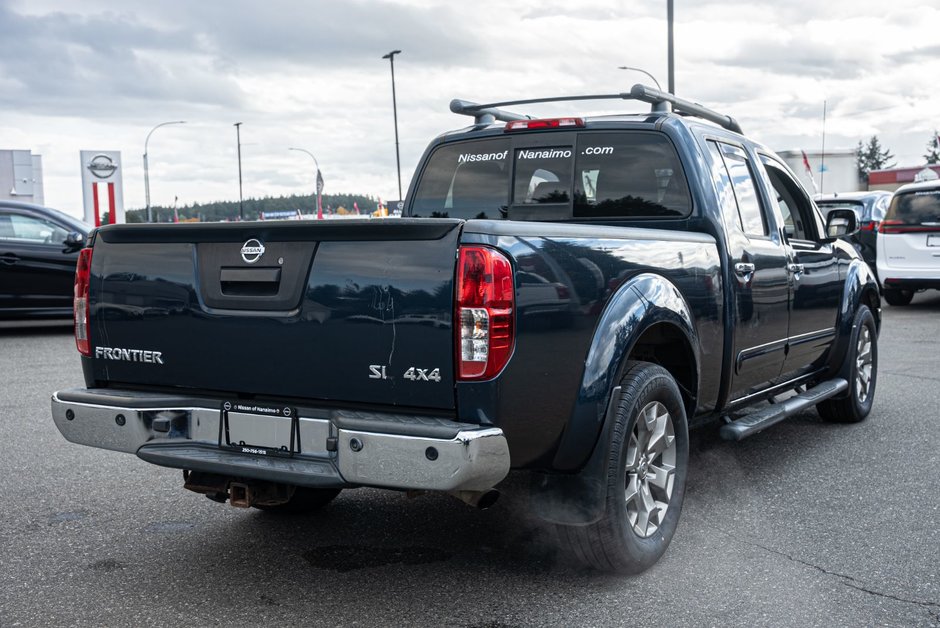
(867, 226)
(543, 123)
(899, 226)
(80, 303)
(484, 312)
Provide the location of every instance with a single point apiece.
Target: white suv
(909, 242)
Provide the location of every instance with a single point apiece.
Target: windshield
(555, 176)
(915, 208)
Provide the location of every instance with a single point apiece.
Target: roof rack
(660, 101)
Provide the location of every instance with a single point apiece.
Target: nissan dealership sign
(102, 186)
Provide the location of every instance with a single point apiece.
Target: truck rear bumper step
(334, 449)
(770, 415)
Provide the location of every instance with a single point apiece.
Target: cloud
(104, 65)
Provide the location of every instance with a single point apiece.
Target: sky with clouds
(99, 75)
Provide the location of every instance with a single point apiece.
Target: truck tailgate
(346, 311)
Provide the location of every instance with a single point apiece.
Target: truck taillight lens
(484, 312)
(80, 303)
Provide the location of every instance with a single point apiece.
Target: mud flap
(577, 498)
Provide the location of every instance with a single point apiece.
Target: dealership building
(893, 178)
(21, 176)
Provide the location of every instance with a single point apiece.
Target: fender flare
(646, 300)
(859, 284)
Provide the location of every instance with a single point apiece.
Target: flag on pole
(319, 182)
(176, 215)
(809, 171)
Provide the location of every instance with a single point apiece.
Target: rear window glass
(630, 175)
(465, 180)
(555, 176)
(915, 208)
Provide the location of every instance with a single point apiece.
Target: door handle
(9, 259)
(743, 269)
(795, 269)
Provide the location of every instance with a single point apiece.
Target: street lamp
(671, 56)
(319, 182)
(147, 165)
(238, 138)
(391, 59)
(628, 67)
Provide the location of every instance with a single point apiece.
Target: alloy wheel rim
(863, 365)
(651, 469)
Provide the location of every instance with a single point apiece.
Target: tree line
(217, 211)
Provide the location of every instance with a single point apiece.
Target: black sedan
(38, 252)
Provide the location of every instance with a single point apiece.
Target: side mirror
(75, 240)
(841, 222)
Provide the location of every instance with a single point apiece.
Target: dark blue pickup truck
(563, 296)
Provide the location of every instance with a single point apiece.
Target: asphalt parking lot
(804, 524)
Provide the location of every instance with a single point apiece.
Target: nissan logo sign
(252, 251)
(102, 166)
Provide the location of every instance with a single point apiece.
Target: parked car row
(899, 236)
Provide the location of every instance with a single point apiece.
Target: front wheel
(898, 297)
(861, 371)
(645, 476)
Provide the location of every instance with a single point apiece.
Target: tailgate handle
(250, 275)
(249, 281)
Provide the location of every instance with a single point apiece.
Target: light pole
(391, 59)
(628, 67)
(319, 182)
(238, 139)
(147, 164)
(671, 52)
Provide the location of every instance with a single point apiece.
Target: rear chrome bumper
(333, 448)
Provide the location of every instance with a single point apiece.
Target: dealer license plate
(259, 429)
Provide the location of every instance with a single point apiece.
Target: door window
(737, 168)
(800, 218)
(18, 228)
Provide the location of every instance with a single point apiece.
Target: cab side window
(737, 167)
(799, 216)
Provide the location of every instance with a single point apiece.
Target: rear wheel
(861, 371)
(895, 296)
(305, 500)
(645, 476)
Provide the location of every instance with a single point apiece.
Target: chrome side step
(773, 414)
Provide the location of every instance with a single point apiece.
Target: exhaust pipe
(481, 500)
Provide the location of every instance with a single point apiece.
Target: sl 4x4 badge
(414, 374)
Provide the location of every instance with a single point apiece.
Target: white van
(909, 242)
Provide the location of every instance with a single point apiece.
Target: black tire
(856, 405)
(613, 543)
(304, 501)
(898, 297)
